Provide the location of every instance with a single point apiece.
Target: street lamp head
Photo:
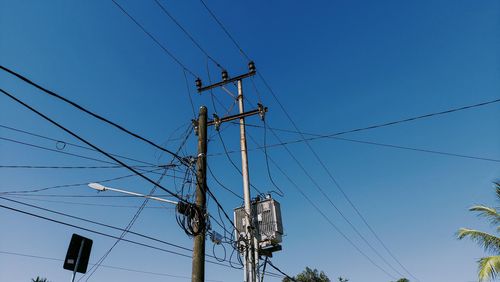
(97, 186)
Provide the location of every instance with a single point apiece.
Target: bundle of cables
(191, 218)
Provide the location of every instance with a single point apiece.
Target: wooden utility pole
(198, 269)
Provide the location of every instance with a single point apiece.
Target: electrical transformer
(266, 219)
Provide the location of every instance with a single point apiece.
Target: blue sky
(334, 65)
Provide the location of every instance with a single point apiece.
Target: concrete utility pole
(198, 269)
(250, 244)
(250, 258)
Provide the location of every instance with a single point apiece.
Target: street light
(101, 188)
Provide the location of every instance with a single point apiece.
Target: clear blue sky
(334, 65)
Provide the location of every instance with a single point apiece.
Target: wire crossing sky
(415, 83)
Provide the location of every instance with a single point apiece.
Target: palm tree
(488, 266)
(38, 279)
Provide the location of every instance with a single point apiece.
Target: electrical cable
(281, 193)
(103, 225)
(222, 185)
(220, 206)
(140, 209)
(233, 164)
(77, 196)
(375, 126)
(166, 12)
(55, 150)
(377, 144)
(321, 190)
(280, 271)
(77, 106)
(78, 203)
(71, 144)
(96, 266)
(225, 30)
(65, 167)
(418, 150)
(73, 185)
(189, 94)
(105, 266)
(165, 50)
(106, 235)
(393, 146)
(138, 167)
(367, 128)
(90, 144)
(297, 187)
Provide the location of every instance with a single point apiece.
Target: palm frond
(490, 243)
(497, 189)
(488, 268)
(490, 213)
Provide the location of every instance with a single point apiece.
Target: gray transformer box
(266, 217)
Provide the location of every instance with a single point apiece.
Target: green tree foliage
(309, 275)
(403, 280)
(341, 279)
(39, 279)
(488, 267)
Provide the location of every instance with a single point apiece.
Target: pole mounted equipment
(248, 242)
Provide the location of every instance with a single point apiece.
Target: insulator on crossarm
(198, 83)
(251, 66)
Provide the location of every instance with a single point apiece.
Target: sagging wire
(189, 93)
(281, 193)
(233, 164)
(222, 185)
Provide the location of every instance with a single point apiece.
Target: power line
(322, 136)
(70, 144)
(381, 145)
(321, 190)
(220, 206)
(105, 234)
(233, 164)
(90, 144)
(79, 156)
(280, 271)
(138, 212)
(165, 50)
(76, 196)
(287, 148)
(288, 116)
(64, 167)
(105, 266)
(189, 94)
(77, 106)
(418, 150)
(297, 187)
(54, 150)
(281, 193)
(366, 142)
(79, 203)
(104, 225)
(75, 184)
(124, 232)
(225, 31)
(222, 185)
(166, 12)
